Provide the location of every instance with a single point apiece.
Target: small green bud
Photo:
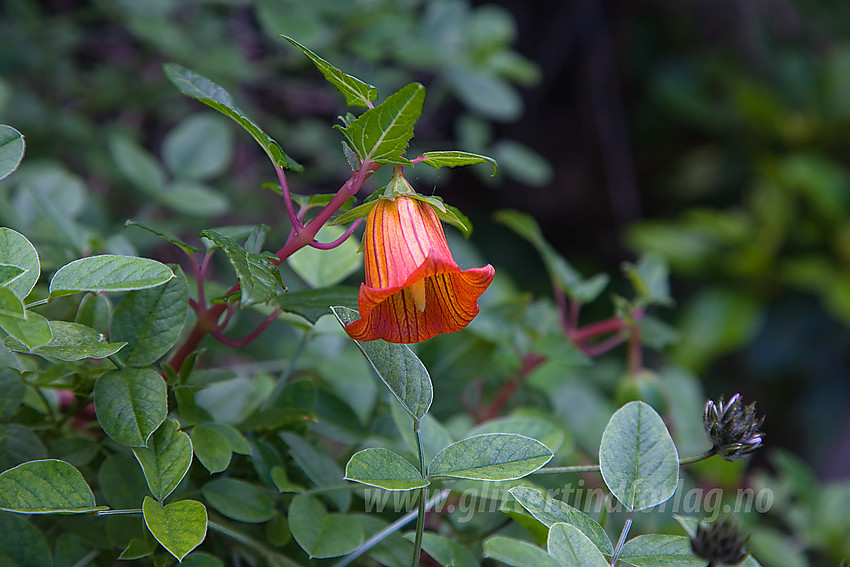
(734, 429)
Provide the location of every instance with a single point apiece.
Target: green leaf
(445, 551)
(239, 500)
(69, 342)
(179, 527)
(381, 134)
(13, 389)
(45, 487)
(650, 279)
(319, 467)
(455, 159)
(550, 511)
(17, 251)
(325, 268)
(122, 482)
(517, 553)
(397, 367)
(164, 235)
(150, 320)
(384, 469)
(355, 91)
(21, 544)
(494, 456)
(314, 303)
(166, 459)
(200, 147)
(137, 164)
(18, 445)
(95, 312)
(447, 213)
(321, 534)
(572, 548)
(536, 427)
(211, 447)
(258, 276)
(9, 273)
(639, 462)
(660, 551)
(358, 212)
(10, 305)
(130, 404)
(11, 149)
(32, 332)
(236, 441)
(108, 272)
(199, 87)
(193, 198)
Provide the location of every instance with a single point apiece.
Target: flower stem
(420, 516)
(623, 534)
(596, 468)
(697, 458)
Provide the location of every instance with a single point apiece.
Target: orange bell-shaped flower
(414, 290)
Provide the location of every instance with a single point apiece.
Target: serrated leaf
(150, 320)
(32, 332)
(455, 159)
(179, 527)
(11, 149)
(550, 511)
(17, 251)
(258, 276)
(381, 133)
(130, 404)
(45, 487)
(166, 459)
(164, 235)
(70, 342)
(384, 469)
(321, 534)
(314, 303)
(239, 500)
(493, 456)
(355, 91)
(572, 548)
(660, 551)
(517, 553)
(108, 272)
(397, 367)
(199, 87)
(639, 461)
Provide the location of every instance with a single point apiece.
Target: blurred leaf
(517, 553)
(200, 147)
(650, 279)
(211, 447)
(11, 150)
(95, 312)
(537, 427)
(70, 342)
(165, 236)
(108, 272)
(180, 527)
(13, 389)
(397, 367)
(137, 165)
(44, 487)
(639, 462)
(522, 163)
(655, 550)
(166, 459)
(258, 277)
(150, 320)
(19, 445)
(321, 534)
(455, 158)
(130, 404)
(485, 94)
(381, 133)
(572, 548)
(494, 456)
(355, 91)
(199, 87)
(325, 268)
(383, 468)
(239, 500)
(319, 467)
(21, 544)
(17, 251)
(193, 198)
(314, 303)
(446, 551)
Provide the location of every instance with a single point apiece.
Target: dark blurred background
(714, 133)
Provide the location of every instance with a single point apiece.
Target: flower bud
(721, 543)
(734, 429)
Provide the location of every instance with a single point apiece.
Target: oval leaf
(45, 487)
(550, 511)
(572, 548)
(639, 462)
(397, 367)
(180, 527)
(321, 534)
(150, 320)
(517, 553)
(69, 342)
(17, 251)
(108, 272)
(21, 544)
(166, 459)
(495, 456)
(536, 427)
(200, 147)
(239, 500)
(383, 468)
(32, 332)
(659, 551)
(212, 448)
(130, 404)
(11, 149)
(455, 159)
